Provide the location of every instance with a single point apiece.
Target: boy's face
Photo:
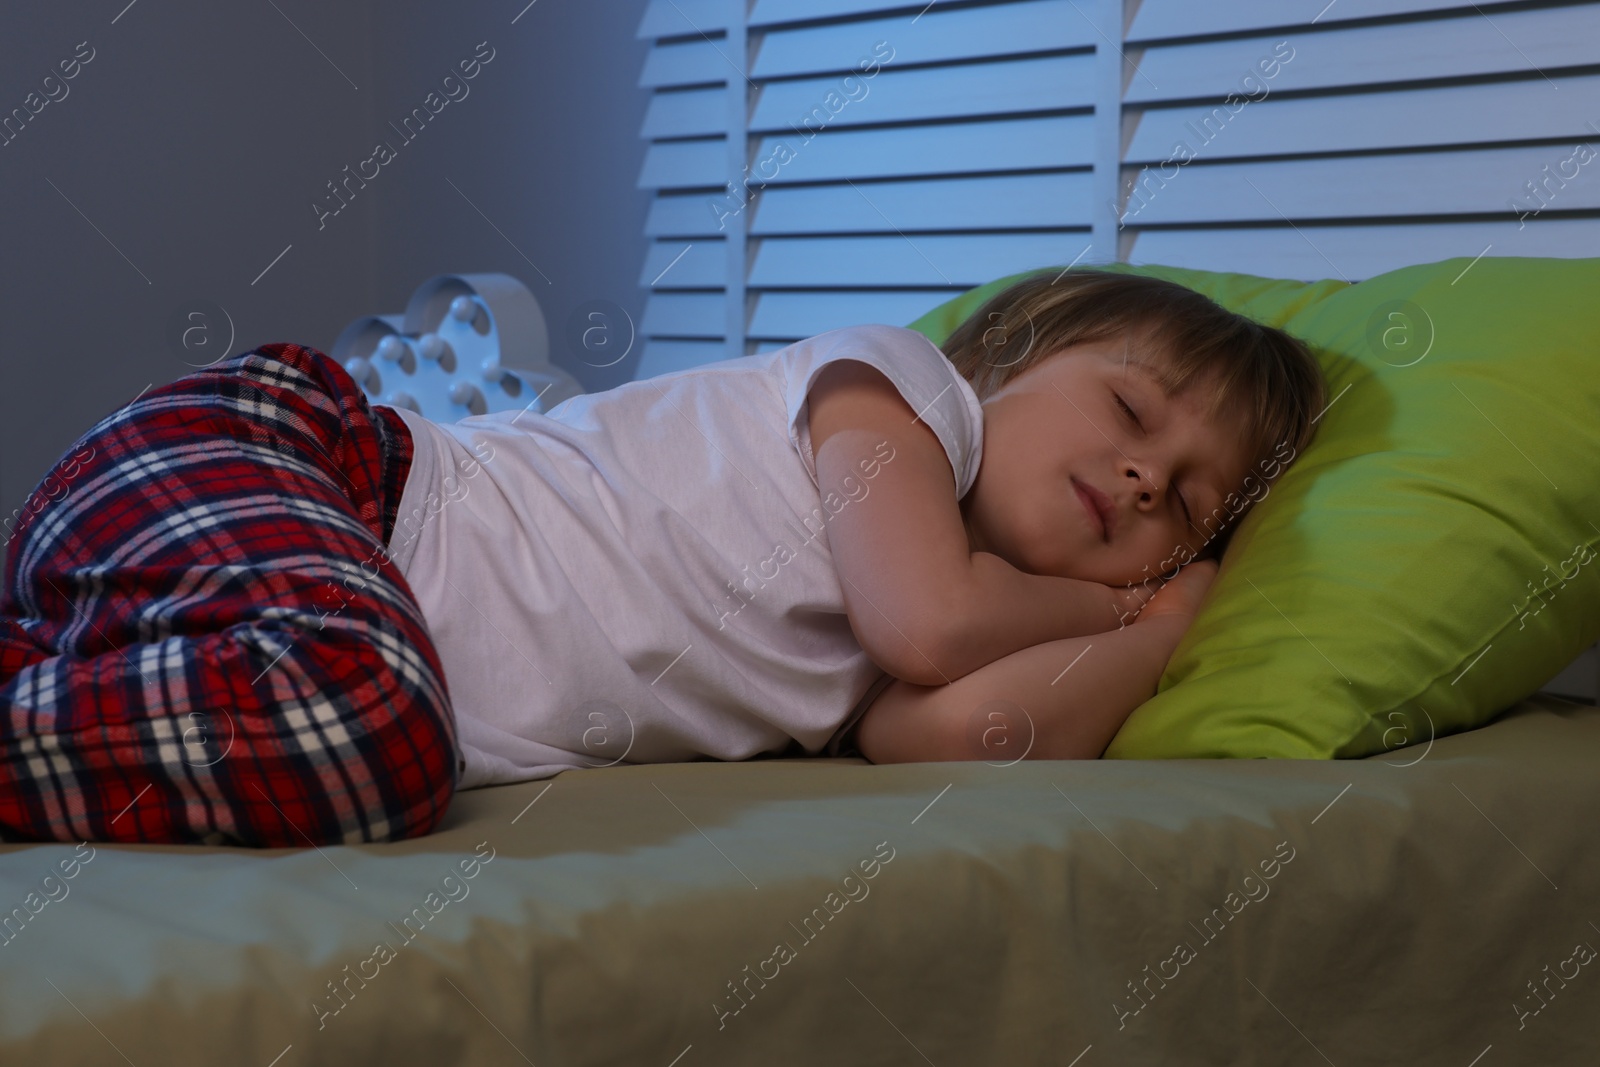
(1059, 423)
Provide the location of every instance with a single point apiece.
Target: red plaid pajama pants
(202, 638)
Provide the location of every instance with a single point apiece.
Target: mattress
(1434, 905)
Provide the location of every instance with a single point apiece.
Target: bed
(1426, 906)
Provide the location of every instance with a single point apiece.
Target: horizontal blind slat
(998, 202)
(1468, 45)
(1395, 184)
(967, 33)
(770, 12)
(691, 113)
(1016, 85)
(671, 18)
(967, 260)
(1312, 253)
(1183, 18)
(1458, 114)
(683, 63)
(687, 215)
(684, 163)
(1011, 144)
(684, 265)
(800, 315)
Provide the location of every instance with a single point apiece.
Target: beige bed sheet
(1429, 906)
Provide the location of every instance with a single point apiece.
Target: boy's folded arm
(1025, 704)
(922, 604)
(898, 543)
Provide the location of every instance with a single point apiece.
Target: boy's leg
(202, 638)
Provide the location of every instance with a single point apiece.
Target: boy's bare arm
(1058, 700)
(924, 606)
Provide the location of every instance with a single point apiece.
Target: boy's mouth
(1099, 506)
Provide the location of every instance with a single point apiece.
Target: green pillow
(1423, 565)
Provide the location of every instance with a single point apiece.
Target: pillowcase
(1427, 562)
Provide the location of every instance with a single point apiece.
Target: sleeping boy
(857, 543)
(251, 608)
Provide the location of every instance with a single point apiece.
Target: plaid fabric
(202, 638)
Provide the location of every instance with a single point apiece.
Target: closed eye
(1135, 416)
(1129, 410)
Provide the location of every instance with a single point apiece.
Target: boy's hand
(1183, 594)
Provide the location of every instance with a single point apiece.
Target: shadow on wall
(182, 181)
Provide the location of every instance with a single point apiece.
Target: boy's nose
(1146, 483)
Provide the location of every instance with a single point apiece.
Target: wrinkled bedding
(1426, 906)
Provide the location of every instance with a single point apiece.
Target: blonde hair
(1267, 378)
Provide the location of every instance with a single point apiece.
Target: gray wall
(194, 142)
(544, 150)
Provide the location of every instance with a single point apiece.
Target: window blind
(818, 163)
(888, 157)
